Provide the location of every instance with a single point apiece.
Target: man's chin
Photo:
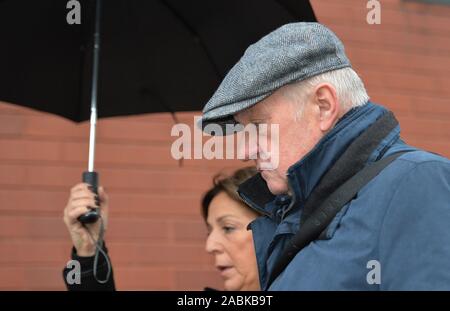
(275, 184)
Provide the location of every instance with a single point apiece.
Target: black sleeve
(87, 279)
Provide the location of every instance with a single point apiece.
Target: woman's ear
(325, 98)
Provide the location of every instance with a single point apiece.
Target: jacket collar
(304, 175)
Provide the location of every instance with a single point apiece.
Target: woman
(229, 241)
(226, 217)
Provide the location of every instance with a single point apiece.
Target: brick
(33, 227)
(416, 21)
(326, 12)
(35, 202)
(170, 181)
(381, 36)
(113, 129)
(162, 254)
(13, 278)
(181, 116)
(52, 228)
(45, 277)
(9, 108)
(53, 175)
(52, 126)
(428, 106)
(437, 130)
(413, 106)
(143, 278)
(31, 202)
(135, 229)
(400, 82)
(155, 204)
(423, 8)
(116, 129)
(28, 252)
(11, 226)
(129, 130)
(395, 17)
(11, 124)
(407, 6)
(390, 60)
(121, 154)
(139, 155)
(190, 230)
(399, 104)
(12, 174)
(29, 150)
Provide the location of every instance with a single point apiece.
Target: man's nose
(248, 148)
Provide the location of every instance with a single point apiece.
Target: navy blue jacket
(397, 227)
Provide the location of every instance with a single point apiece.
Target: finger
(84, 189)
(83, 202)
(78, 187)
(80, 191)
(88, 202)
(72, 215)
(83, 194)
(86, 197)
(78, 197)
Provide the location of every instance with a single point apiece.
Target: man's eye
(228, 229)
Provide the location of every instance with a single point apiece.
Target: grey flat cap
(291, 53)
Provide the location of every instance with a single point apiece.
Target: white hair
(349, 87)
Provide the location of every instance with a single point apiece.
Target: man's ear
(325, 98)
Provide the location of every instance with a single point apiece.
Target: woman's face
(231, 243)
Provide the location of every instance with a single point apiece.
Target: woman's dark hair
(227, 184)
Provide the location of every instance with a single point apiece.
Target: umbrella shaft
(96, 54)
(92, 139)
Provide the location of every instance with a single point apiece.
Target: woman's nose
(212, 245)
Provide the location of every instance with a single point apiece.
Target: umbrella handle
(93, 215)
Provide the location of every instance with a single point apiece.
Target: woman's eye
(208, 231)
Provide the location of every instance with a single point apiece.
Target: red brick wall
(404, 62)
(156, 235)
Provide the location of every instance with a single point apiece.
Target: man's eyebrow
(258, 120)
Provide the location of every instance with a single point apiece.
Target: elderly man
(350, 206)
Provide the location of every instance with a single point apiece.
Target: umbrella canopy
(155, 56)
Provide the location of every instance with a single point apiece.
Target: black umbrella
(155, 56)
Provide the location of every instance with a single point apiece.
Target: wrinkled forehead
(257, 113)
